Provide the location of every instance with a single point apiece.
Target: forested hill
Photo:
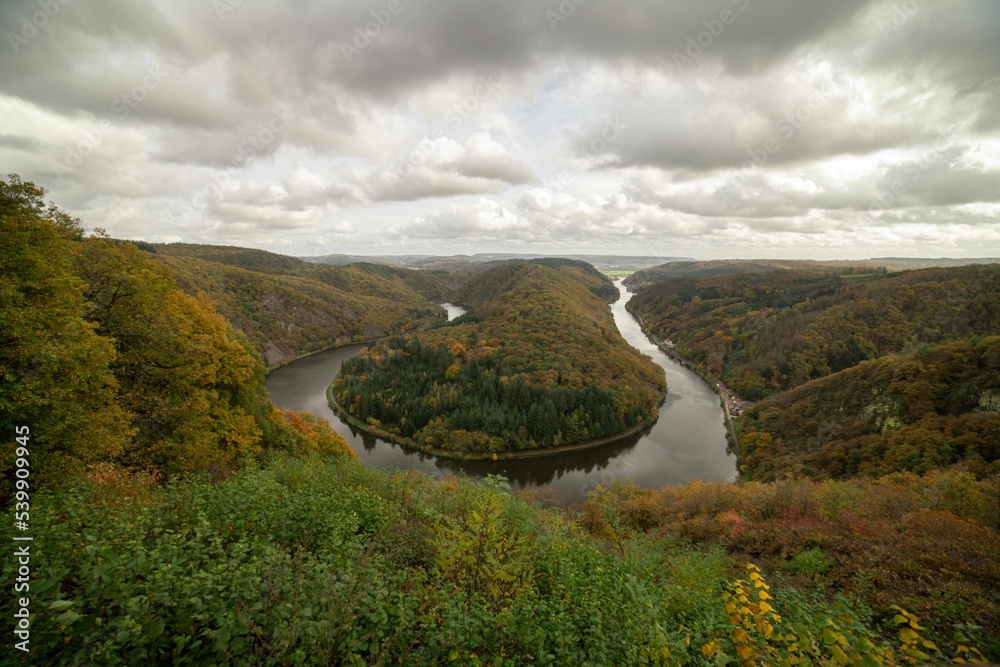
(866, 374)
(724, 267)
(768, 332)
(503, 279)
(537, 364)
(921, 411)
(432, 285)
(287, 307)
(177, 517)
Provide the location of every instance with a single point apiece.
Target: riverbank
(485, 456)
(286, 362)
(712, 381)
(370, 341)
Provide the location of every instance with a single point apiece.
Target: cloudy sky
(712, 129)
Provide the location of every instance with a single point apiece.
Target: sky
(712, 129)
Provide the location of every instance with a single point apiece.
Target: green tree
(54, 375)
(191, 385)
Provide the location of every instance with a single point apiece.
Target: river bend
(688, 442)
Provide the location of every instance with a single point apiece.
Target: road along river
(688, 442)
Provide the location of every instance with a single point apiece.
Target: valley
(167, 453)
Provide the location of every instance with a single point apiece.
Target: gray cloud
(20, 143)
(746, 120)
(441, 167)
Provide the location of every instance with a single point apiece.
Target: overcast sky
(711, 129)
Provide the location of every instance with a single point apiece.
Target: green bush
(810, 563)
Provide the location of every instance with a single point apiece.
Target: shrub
(810, 563)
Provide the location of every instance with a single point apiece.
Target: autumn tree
(190, 383)
(54, 367)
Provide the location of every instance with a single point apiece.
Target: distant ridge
(471, 262)
(941, 261)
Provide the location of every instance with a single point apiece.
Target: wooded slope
(862, 374)
(725, 267)
(768, 332)
(917, 412)
(108, 363)
(288, 308)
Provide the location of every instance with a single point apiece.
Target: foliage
(811, 562)
(482, 552)
(288, 308)
(161, 538)
(539, 364)
(378, 280)
(821, 635)
(924, 543)
(643, 278)
(54, 367)
(304, 562)
(188, 382)
(326, 561)
(860, 373)
(768, 332)
(917, 412)
(108, 362)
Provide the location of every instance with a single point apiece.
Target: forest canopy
(178, 517)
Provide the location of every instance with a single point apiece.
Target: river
(688, 442)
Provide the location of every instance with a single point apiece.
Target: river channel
(688, 442)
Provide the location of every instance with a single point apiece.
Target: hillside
(726, 267)
(859, 374)
(288, 308)
(108, 363)
(395, 283)
(301, 559)
(648, 276)
(537, 364)
(767, 332)
(920, 411)
(483, 261)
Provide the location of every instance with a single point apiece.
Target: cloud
(733, 123)
(442, 167)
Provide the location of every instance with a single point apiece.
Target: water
(688, 442)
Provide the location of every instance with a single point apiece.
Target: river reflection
(687, 442)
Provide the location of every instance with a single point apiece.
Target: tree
(54, 374)
(190, 384)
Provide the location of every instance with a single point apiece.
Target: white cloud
(475, 126)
